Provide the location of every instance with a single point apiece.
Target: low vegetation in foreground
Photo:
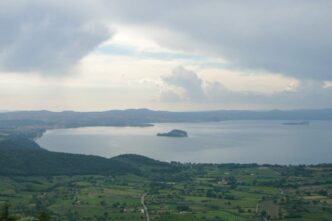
(36, 184)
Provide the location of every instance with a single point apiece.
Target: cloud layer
(186, 80)
(260, 52)
(183, 85)
(47, 37)
(289, 37)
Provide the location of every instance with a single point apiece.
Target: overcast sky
(171, 55)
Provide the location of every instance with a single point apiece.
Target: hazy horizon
(165, 110)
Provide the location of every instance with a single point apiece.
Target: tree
(5, 216)
(44, 216)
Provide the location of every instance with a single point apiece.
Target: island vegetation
(174, 133)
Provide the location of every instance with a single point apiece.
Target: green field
(186, 192)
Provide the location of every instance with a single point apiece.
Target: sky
(93, 55)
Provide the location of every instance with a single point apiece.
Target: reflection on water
(221, 142)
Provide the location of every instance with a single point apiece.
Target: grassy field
(189, 193)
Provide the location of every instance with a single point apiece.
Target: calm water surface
(221, 142)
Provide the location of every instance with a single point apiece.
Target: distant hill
(32, 124)
(20, 156)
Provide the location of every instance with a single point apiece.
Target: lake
(219, 142)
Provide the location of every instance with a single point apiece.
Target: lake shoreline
(217, 142)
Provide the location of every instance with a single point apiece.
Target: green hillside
(21, 156)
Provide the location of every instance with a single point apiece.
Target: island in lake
(297, 123)
(174, 133)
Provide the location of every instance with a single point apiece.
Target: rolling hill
(21, 156)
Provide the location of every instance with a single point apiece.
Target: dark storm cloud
(290, 37)
(47, 37)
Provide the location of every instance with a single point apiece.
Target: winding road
(146, 212)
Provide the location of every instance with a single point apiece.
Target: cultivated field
(186, 192)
